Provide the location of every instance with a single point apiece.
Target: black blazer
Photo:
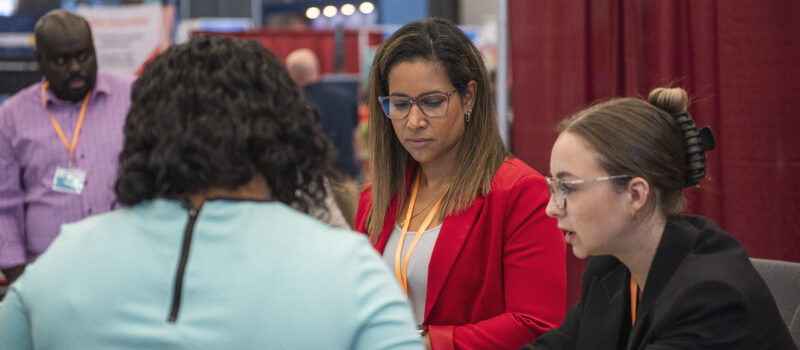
(702, 292)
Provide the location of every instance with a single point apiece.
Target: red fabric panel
(281, 42)
(737, 59)
(759, 81)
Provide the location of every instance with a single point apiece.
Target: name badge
(69, 180)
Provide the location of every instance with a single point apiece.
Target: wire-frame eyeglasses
(560, 188)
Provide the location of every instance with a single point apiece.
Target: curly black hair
(214, 112)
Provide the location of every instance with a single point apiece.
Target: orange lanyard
(70, 147)
(634, 298)
(402, 274)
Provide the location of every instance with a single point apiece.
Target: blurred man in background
(338, 116)
(59, 142)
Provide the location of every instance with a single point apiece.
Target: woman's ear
(468, 98)
(639, 190)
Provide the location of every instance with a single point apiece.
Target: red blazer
(497, 275)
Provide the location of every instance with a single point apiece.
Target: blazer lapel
(454, 232)
(676, 243)
(388, 224)
(391, 214)
(604, 310)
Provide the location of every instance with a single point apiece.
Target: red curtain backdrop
(283, 41)
(738, 59)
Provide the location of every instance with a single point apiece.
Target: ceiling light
(366, 7)
(312, 12)
(329, 11)
(348, 9)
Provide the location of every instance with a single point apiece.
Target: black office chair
(783, 280)
(794, 327)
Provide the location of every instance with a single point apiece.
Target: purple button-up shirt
(31, 213)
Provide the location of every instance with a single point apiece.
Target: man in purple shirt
(59, 142)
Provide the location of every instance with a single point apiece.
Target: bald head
(65, 54)
(303, 66)
(52, 24)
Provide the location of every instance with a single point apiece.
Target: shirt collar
(101, 86)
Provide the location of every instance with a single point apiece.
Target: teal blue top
(259, 275)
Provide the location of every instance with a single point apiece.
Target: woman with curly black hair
(208, 255)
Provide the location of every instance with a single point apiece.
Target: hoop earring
(467, 116)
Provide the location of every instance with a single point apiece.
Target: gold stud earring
(467, 116)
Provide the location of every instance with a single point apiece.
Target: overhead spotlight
(348, 9)
(329, 11)
(366, 7)
(312, 12)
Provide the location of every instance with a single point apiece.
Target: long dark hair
(481, 152)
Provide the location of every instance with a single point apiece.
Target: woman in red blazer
(488, 270)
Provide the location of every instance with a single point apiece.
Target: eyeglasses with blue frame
(432, 105)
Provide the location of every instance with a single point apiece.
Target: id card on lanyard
(70, 179)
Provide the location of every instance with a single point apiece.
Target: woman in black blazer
(655, 279)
